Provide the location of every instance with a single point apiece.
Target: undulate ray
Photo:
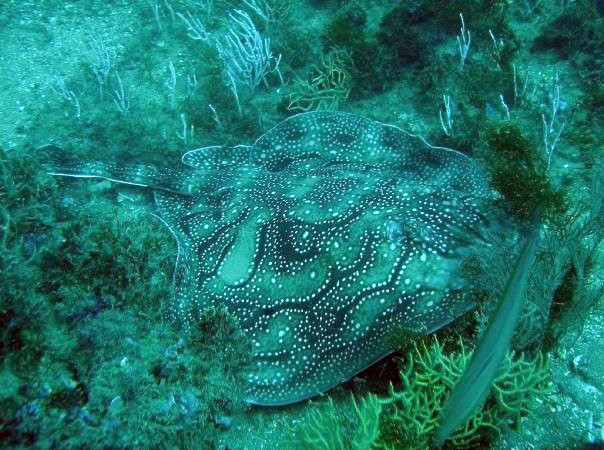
(320, 238)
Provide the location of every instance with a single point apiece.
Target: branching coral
(328, 88)
(324, 429)
(411, 414)
(408, 417)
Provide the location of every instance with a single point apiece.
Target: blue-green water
(314, 272)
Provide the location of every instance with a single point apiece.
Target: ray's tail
(58, 162)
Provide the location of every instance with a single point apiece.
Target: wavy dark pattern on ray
(320, 238)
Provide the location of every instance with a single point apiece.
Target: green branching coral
(408, 417)
(411, 414)
(328, 87)
(324, 429)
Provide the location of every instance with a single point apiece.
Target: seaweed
(347, 31)
(577, 29)
(404, 40)
(517, 172)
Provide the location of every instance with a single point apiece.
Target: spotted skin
(320, 238)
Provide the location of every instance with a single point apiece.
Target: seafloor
(88, 358)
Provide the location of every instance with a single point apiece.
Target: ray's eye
(418, 231)
(410, 229)
(394, 231)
